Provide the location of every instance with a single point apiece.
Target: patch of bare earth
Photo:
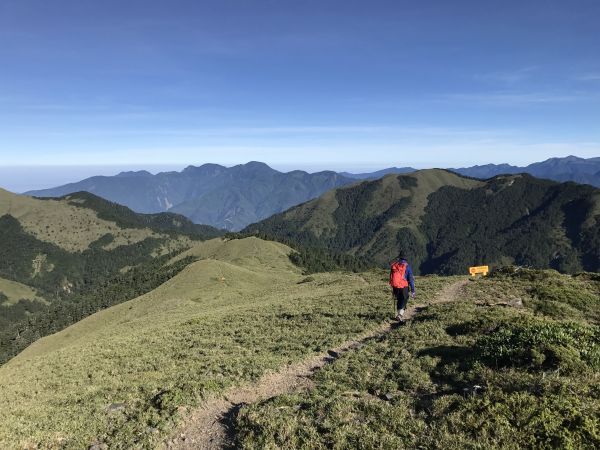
(211, 426)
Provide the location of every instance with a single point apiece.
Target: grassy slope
(166, 222)
(64, 224)
(16, 291)
(69, 249)
(219, 322)
(473, 374)
(317, 214)
(428, 181)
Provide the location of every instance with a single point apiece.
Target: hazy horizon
(23, 178)
(298, 83)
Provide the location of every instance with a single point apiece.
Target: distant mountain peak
(558, 162)
(135, 173)
(203, 169)
(256, 165)
(325, 172)
(570, 158)
(379, 173)
(230, 197)
(234, 197)
(568, 168)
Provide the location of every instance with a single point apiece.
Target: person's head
(401, 255)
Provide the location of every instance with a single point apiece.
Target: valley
(312, 225)
(123, 330)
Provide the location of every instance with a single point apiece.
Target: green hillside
(12, 292)
(446, 223)
(502, 362)
(121, 339)
(513, 363)
(79, 254)
(125, 375)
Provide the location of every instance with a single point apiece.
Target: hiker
(401, 278)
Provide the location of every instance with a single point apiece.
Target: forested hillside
(63, 259)
(445, 222)
(234, 197)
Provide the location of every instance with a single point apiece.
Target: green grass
(65, 225)
(546, 293)
(474, 374)
(242, 310)
(14, 292)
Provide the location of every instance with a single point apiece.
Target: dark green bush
(539, 344)
(519, 420)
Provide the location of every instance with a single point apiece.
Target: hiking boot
(401, 313)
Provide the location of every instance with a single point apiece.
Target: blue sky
(346, 85)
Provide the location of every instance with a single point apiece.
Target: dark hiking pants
(401, 295)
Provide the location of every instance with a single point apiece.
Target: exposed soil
(211, 425)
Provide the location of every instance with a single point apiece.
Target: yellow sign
(483, 270)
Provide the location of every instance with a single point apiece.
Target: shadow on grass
(448, 375)
(457, 358)
(479, 326)
(228, 422)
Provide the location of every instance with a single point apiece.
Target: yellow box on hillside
(479, 270)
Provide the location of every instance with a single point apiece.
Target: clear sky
(339, 84)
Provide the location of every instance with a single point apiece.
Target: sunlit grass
(461, 375)
(219, 323)
(17, 291)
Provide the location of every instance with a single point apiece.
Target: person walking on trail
(401, 279)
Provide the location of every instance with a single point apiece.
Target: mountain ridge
(378, 173)
(569, 168)
(447, 222)
(62, 259)
(224, 197)
(235, 197)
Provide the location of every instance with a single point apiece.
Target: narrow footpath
(211, 425)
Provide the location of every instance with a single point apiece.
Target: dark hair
(401, 255)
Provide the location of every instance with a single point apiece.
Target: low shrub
(538, 344)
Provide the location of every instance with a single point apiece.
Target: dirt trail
(211, 426)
